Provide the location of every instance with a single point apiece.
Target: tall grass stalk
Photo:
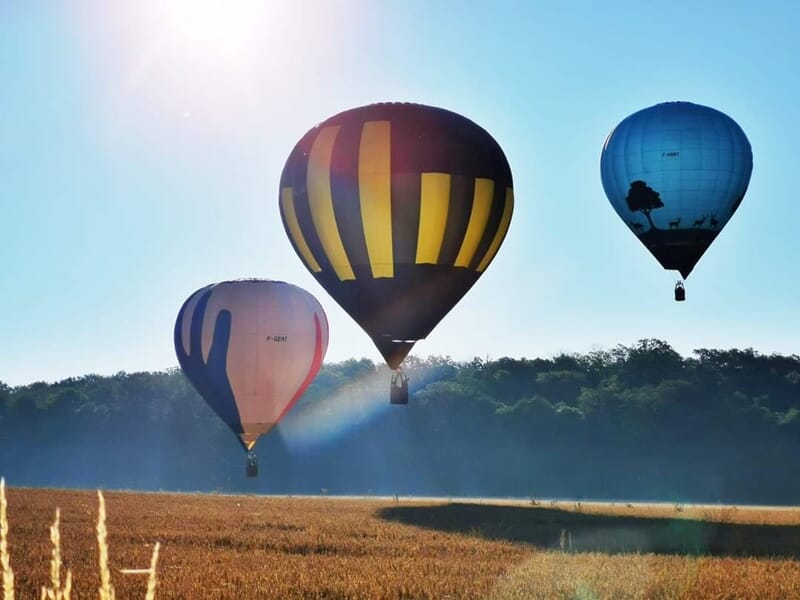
(106, 589)
(5, 561)
(55, 560)
(56, 592)
(151, 580)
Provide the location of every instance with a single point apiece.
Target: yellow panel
(375, 193)
(505, 220)
(481, 206)
(320, 201)
(434, 204)
(287, 203)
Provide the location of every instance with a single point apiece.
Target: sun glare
(219, 30)
(196, 67)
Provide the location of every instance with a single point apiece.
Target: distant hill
(636, 422)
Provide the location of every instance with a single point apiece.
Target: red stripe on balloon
(316, 363)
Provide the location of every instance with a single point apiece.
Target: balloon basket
(252, 465)
(398, 390)
(680, 292)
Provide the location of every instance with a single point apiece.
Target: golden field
(216, 546)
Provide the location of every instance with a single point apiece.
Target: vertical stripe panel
(306, 222)
(295, 176)
(321, 202)
(405, 217)
(481, 206)
(462, 189)
(434, 204)
(186, 320)
(505, 220)
(496, 210)
(289, 214)
(375, 192)
(208, 322)
(346, 197)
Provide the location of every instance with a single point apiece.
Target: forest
(638, 422)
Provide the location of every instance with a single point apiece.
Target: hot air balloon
(251, 347)
(675, 173)
(396, 209)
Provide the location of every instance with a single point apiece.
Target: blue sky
(141, 146)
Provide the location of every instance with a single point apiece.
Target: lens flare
(349, 407)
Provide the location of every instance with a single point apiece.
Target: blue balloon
(675, 173)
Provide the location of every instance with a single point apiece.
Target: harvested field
(215, 546)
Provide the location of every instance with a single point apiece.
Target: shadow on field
(543, 527)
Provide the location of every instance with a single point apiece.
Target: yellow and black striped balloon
(396, 209)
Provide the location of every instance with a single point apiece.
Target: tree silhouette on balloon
(675, 248)
(642, 198)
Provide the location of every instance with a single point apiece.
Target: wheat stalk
(55, 561)
(106, 589)
(8, 574)
(56, 592)
(67, 591)
(151, 580)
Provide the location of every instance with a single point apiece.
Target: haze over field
(637, 423)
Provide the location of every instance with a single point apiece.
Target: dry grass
(5, 559)
(106, 589)
(55, 591)
(648, 576)
(714, 513)
(292, 548)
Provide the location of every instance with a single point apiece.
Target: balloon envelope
(397, 210)
(675, 173)
(251, 348)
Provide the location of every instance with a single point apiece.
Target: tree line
(638, 422)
